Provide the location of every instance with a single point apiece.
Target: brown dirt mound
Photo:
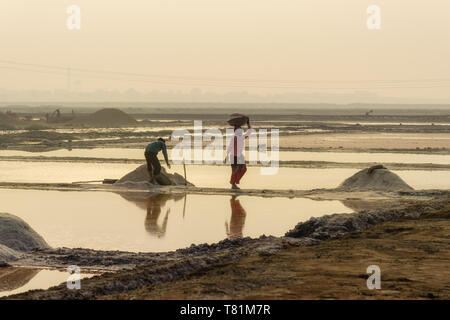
(108, 117)
(375, 178)
(140, 174)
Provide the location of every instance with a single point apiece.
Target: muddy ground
(318, 142)
(331, 130)
(413, 255)
(411, 246)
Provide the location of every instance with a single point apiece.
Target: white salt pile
(139, 178)
(16, 237)
(375, 178)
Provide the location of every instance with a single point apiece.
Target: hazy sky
(261, 46)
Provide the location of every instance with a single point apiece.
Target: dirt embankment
(412, 251)
(327, 132)
(282, 164)
(413, 256)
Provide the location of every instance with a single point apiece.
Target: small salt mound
(375, 178)
(139, 177)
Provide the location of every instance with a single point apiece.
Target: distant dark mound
(7, 121)
(108, 117)
(375, 178)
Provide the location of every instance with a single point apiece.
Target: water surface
(155, 223)
(19, 280)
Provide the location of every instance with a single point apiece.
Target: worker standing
(235, 154)
(151, 155)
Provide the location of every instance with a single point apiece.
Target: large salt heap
(375, 178)
(17, 237)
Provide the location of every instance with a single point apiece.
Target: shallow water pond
(18, 280)
(64, 172)
(155, 223)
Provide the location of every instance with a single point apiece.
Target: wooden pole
(184, 206)
(185, 183)
(184, 168)
(89, 181)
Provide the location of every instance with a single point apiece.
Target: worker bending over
(151, 155)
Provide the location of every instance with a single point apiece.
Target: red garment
(240, 173)
(237, 172)
(236, 152)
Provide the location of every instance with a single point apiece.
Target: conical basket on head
(237, 119)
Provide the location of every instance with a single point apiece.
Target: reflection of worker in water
(154, 205)
(237, 221)
(151, 155)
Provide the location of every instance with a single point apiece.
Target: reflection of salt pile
(375, 178)
(144, 199)
(13, 278)
(139, 178)
(16, 237)
(108, 117)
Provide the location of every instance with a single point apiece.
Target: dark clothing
(153, 165)
(237, 170)
(156, 147)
